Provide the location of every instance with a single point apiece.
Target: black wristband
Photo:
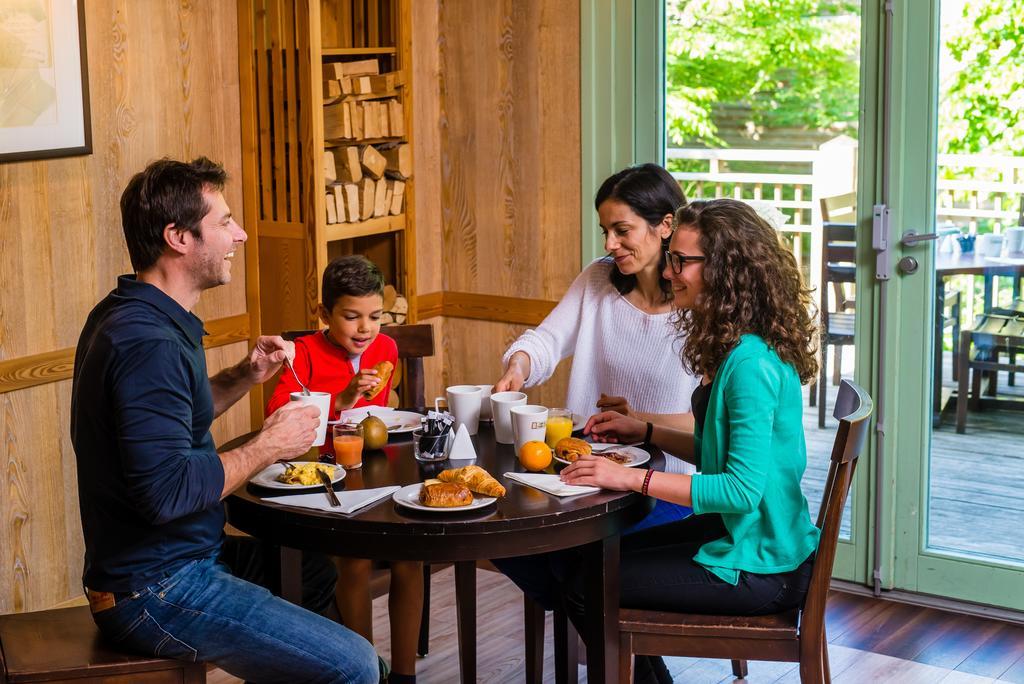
(650, 431)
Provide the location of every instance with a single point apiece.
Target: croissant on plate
(570, 449)
(445, 495)
(476, 478)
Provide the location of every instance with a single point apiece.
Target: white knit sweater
(617, 349)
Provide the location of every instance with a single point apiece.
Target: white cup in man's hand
(321, 400)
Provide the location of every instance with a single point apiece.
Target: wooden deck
(976, 504)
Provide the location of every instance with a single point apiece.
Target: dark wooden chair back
(414, 341)
(853, 410)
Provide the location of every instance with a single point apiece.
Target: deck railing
(978, 193)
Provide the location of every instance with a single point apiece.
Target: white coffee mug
(501, 405)
(464, 405)
(485, 402)
(1015, 240)
(322, 400)
(529, 423)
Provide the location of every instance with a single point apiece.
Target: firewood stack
(364, 180)
(396, 307)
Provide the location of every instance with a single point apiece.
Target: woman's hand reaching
(515, 375)
(609, 403)
(611, 426)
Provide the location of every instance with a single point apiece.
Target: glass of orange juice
(559, 426)
(348, 446)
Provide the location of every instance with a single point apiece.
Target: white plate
(409, 496)
(268, 477)
(396, 421)
(637, 456)
(578, 422)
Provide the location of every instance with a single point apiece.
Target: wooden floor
(871, 640)
(977, 479)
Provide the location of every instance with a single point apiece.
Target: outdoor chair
(981, 350)
(64, 645)
(797, 635)
(414, 342)
(838, 270)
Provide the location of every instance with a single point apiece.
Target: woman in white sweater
(615, 319)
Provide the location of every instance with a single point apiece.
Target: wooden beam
(54, 366)
(483, 307)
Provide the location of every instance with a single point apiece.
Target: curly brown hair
(752, 284)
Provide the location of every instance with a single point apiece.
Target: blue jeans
(202, 612)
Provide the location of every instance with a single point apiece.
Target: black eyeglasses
(677, 261)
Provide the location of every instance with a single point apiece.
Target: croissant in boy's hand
(384, 370)
(478, 480)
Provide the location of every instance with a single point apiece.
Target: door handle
(912, 238)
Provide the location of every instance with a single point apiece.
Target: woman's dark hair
(752, 284)
(167, 191)
(353, 276)
(652, 193)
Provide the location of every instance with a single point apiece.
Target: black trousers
(657, 572)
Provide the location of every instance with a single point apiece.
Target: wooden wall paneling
(236, 420)
(279, 136)
(263, 126)
(407, 243)
(294, 177)
(282, 280)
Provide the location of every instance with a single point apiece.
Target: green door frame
(622, 104)
(623, 122)
(915, 116)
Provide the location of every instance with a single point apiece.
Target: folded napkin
(462, 447)
(552, 484)
(350, 501)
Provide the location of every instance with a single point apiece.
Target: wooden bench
(64, 645)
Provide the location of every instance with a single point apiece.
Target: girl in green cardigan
(745, 319)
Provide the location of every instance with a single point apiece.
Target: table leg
(465, 608)
(291, 575)
(567, 643)
(533, 618)
(602, 562)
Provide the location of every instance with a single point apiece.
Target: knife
(329, 486)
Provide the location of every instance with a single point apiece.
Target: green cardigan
(752, 456)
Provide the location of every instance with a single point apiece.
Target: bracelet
(650, 431)
(647, 481)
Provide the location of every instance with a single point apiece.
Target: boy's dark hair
(652, 193)
(167, 191)
(354, 276)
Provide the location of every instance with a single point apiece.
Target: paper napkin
(351, 501)
(552, 484)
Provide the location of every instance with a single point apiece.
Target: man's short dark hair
(354, 276)
(167, 191)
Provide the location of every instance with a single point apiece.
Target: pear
(374, 431)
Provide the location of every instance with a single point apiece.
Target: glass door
(956, 323)
(763, 103)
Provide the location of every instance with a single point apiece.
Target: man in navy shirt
(149, 478)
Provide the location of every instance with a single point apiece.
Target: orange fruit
(535, 456)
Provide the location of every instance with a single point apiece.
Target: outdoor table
(524, 521)
(958, 263)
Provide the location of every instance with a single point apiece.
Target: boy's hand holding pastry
(363, 382)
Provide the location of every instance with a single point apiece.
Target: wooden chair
(64, 645)
(981, 348)
(838, 269)
(414, 341)
(797, 635)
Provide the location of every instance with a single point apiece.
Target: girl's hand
(611, 426)
(515, 375)
(363, 381)
(617, 404)
(600, 472)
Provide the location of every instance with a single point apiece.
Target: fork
(598, 448)
(305, 390)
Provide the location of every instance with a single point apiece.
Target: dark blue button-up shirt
(149, 478)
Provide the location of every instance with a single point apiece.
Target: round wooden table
(525, 521)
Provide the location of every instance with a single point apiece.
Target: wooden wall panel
(163, 81)
(506, 109)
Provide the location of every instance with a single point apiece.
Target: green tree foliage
(793, 63)
(982, 108)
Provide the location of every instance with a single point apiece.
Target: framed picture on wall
(44, 84)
